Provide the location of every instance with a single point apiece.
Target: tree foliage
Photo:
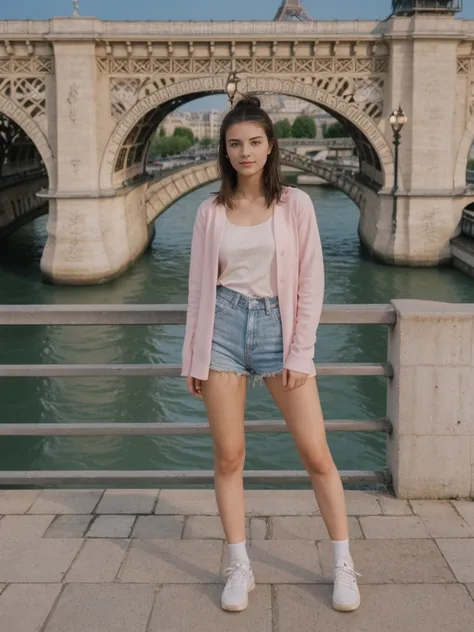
(164, 146)
(303, 127)
(336, 130)
(283, 129)
(184, 132)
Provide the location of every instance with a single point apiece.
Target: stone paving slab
(397, 608)
(284, 561)
(459, 553)
(307, 528)
(102, 608)
(183, 502)
(98, 561)
(393, 561)
(17, 501)
(259, 528)
(40, 560)
(160, 527)
(281, 503)
(398, 527)
(470, 588)
(66, 501)
(128, 501)
(39, 599)
(362, 503)
(173, 562)
(24, 527)
(69, 526)
(208, 527)
(394, 506)
(441, 519)
(109, 526)
(203, 611)
(466, 509)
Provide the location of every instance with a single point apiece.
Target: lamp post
(397, 121)
(231, 86)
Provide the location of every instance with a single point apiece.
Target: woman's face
(247, 147)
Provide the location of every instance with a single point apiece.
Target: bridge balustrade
(132, 315)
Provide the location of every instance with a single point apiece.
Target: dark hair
(249, 109)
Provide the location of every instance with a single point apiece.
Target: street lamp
(231, 86)
(397, 121)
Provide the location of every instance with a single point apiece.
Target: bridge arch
(169, 188)
(13, 112)
(463, 155)
(128, 143)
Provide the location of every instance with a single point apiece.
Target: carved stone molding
(212, 65)
(26, 66)
(29, 93)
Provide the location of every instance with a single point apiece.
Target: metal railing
(71, 315)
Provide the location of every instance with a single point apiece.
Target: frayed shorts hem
(254, 378)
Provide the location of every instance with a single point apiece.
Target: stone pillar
(423, 80)
(431, 400)
(92, 236)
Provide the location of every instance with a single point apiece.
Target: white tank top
(247, 259)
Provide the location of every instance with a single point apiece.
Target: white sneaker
(346, 594)
(241, 581)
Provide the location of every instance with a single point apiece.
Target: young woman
(256, 286)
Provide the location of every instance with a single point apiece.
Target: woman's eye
(256, 142)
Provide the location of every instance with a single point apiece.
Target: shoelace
(238, 576)
(345, 576)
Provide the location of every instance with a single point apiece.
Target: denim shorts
(247, 338)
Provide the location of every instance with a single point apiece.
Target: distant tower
(291, 10)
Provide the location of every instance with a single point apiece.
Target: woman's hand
(293, 379)
(194, 386)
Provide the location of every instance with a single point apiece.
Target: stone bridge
(89, 95)
(169, 185)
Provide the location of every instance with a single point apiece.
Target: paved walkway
(151, 561)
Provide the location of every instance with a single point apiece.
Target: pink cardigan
(300, 282)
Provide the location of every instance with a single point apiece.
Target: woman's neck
(250, 188)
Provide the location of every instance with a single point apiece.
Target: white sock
(238, 553)
(341, 551)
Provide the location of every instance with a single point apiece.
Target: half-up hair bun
(248, 101)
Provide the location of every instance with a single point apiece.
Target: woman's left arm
(310, 287)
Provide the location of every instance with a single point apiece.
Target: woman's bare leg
(302, 412)
(224, 396)
(301, 409)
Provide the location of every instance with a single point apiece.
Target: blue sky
(198, 9)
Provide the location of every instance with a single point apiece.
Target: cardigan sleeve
(194, 289)
(310, 288)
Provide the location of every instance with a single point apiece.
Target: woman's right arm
(194, 288)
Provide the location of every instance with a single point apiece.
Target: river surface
(160, 276)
